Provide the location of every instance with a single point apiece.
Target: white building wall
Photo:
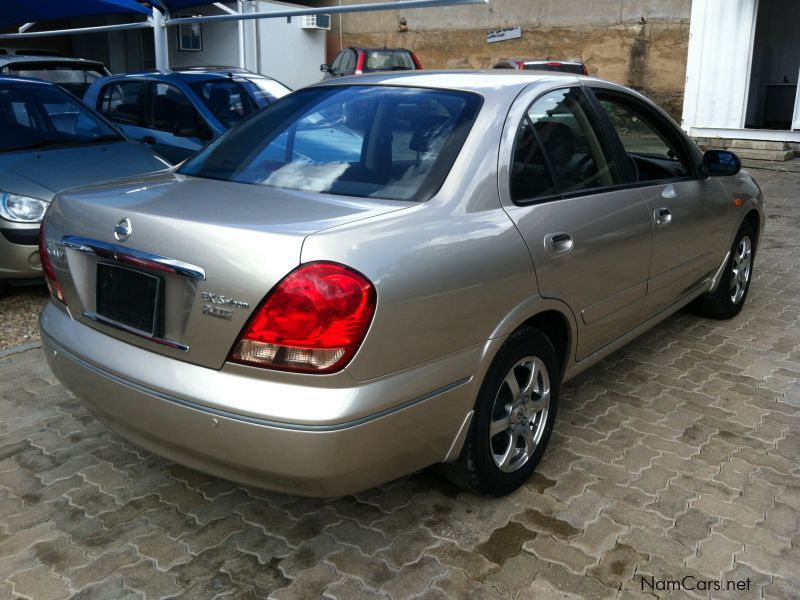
(721, 36)
(220, 41)
(286, 51)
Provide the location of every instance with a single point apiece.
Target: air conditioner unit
(316, 22)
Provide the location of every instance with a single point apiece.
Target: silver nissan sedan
(382, 273)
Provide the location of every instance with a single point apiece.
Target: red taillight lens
(47, 267)
(585, 71)
(313, 321)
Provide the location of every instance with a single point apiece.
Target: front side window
(39, 116)
(559, 149)
(365, 141)
(171, 110)
(122, 102)
(348, 63)
(654, 151)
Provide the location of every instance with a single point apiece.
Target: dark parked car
(578, 68)
(179, 112)
(51, 141)
(318, 318)
(357, 61)
(73, 74)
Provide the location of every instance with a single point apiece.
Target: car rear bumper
(327, 459)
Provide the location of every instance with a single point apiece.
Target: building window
(190, 36)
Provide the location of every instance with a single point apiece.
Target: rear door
(689, 212)
(589, 239)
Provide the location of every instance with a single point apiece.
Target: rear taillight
(47, 267)
(585, 71)
(313, 321)
(416, 61)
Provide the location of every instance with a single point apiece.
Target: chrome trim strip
(142, 334)
(136, 258)
(244, 418)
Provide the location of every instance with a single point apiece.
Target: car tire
(513, 418)
(727, 300)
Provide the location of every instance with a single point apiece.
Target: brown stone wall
(648, 57)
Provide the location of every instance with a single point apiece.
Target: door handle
(662, 217)
(149, 140)
(557, 244)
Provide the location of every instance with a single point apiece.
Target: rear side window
(365, 141)
(122, 103)
(555, 66)
(559, 149)
(387, 60)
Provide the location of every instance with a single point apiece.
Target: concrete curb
(19, 349)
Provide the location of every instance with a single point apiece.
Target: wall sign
(501, 35)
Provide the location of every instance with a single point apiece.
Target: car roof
(480, 81)
(365, 49)
(25, 80)
(192, 75)
(14, 58)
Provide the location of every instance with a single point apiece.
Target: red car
(357, 61)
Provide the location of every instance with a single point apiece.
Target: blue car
(179, 112)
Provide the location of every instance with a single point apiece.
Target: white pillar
(160, 41)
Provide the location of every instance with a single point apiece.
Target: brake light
(584, 69)
(47, 267)
(416, 60)
(359, 64)
(313, 321)
(553, 64)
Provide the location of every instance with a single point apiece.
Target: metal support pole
(101, 29)
(160, 41)
(350, 8)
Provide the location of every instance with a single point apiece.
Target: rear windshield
(562, 67)
(366, 141)
(75, 79)
(34, 115)
(388, 60)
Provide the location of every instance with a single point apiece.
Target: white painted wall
(284, 50)
(721, 36)
(220, 41)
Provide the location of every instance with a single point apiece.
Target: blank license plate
(129, 297)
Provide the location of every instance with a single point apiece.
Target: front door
(690, 212)
(590, 242)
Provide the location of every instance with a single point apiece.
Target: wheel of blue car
(727, 300)
(513, 418)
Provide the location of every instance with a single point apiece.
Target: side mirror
(325, 68)
(720, 163)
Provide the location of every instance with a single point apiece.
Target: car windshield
(226, 99)
(388, 60)
(38, 116)
(367, 141)
(73, 78)
(266, 91)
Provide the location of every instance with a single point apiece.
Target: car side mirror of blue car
(717, 163)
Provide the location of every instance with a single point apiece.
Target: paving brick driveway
(676, 457)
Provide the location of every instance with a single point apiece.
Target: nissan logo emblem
(123, 230)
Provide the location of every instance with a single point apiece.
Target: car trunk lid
(177, 265)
